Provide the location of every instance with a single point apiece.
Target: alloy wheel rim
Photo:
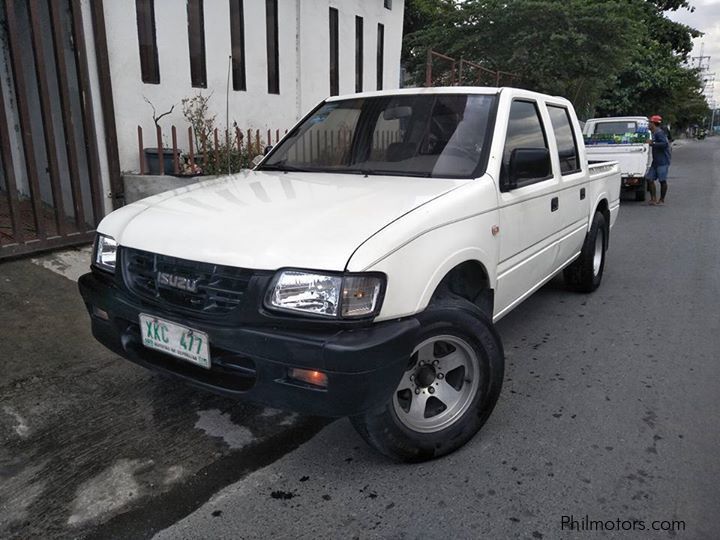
(439, 384)
(598, 256)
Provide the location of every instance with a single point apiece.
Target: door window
(525, 130)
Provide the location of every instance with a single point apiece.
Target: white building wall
(304, 73)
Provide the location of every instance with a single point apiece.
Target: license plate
(175, 339)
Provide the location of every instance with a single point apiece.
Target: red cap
(656, 119)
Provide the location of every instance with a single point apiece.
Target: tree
(552, 45)
(656, 79)
(604, 55)
(424, 22)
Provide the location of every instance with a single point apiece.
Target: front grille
(219, 289)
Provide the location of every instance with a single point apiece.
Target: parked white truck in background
(623, 139)
(358, 270)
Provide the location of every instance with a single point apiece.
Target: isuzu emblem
(177, 282)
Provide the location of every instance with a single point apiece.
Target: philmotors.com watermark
(586, 523)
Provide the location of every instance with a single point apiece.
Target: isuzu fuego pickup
(359, 268)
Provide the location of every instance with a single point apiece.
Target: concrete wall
(304, 63)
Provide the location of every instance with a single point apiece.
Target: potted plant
(152, 157)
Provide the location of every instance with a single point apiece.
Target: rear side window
(565, 138)
(525, 130)
(614, 128)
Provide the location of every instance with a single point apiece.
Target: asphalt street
(609, 413)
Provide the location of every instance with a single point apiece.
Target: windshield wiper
(384, 172)
(284, 168)
(363, 171)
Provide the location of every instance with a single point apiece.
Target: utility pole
(707, 79)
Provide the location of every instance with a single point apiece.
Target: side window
(565, 137)
(525, 130)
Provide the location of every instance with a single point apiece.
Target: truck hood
(269, 220)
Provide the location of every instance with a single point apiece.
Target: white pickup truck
(358, 270)
(623, 139)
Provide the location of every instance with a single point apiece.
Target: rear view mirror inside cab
(527, 164)
(394, 113)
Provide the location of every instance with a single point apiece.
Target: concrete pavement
(92, 444)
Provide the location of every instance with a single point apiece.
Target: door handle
(554, 204)
(582, 194)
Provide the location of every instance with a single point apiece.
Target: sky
(705, 18)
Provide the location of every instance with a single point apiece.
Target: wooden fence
(316, 146)
(319, 146)
(249, 142)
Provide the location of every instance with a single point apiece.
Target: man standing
(660, 161)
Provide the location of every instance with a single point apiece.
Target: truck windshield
(615, 128)
(442, 135)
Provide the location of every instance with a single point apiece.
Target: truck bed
(633, 159)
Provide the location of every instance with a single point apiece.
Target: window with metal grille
(196, 40)
(380, 55)
(334, 53)
(273, 60)
(147, 41)
(237, 41)
(359, 54)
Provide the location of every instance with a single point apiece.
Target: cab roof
(449, 90)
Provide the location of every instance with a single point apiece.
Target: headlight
(105, 253)
(339, 296)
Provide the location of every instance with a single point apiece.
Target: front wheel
(449, 388)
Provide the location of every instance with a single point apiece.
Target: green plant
(227, 158)
(232, 153)
(197, 113)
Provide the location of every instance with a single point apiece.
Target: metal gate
(50, 179)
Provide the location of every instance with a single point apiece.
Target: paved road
(609, 410)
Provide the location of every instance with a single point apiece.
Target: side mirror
(256, 160)
(267, 150)
(527, 164)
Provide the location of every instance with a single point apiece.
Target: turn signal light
(315, 378)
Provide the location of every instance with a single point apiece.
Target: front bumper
(363, 364)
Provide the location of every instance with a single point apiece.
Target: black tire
(450, 317)
(583, 275)
(640, 194)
